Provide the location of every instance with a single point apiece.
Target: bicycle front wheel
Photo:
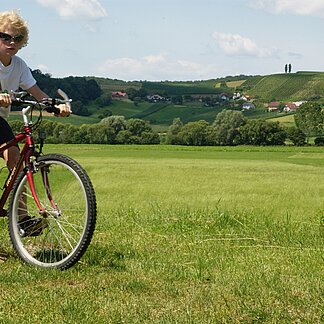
(58, 237)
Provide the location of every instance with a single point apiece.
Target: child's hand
(5, 100)
(64, 110)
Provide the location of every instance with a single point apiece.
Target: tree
(137, 126)
(123, 137)
(296, 135)
(319, 141)
(150, 138)
(261, 132)
(309, 119)
(104, 100)
(118, 123)
(195, 133)
(57, 132)
(79, 109)
(132, 93)
(173, 131)
(67, 134)
(141, 132)
(16, 126)
(177, 100)
(227, 125)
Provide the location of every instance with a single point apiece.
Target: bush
(319, 141)
(261, 132)
(297, 136)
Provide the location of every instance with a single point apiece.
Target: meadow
(186, 235)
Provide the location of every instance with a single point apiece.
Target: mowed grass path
(186, 235)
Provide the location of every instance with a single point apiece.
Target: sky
(176, 40)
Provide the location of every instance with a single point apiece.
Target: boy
(15, 74)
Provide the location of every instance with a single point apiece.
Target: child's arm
(39, 94)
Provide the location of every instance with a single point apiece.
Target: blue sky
(171, 39)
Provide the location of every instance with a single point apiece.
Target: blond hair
(12, 19)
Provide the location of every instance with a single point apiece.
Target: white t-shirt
(14, 76)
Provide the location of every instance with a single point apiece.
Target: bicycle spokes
(65, 228)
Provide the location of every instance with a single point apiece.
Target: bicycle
(52, 203)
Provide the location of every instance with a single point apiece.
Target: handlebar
(48, 104)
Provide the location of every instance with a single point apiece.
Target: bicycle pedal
(32, 226)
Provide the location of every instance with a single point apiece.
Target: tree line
(110, 130)
(230, 128)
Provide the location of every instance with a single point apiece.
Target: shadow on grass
(6, 253)
(107, 257)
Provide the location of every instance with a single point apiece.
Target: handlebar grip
(15, 103)
(54, 110)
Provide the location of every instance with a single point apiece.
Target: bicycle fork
(45, 171)
(31, 168)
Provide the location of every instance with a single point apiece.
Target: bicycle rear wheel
(60, 237)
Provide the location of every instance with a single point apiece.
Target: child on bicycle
(15, 74)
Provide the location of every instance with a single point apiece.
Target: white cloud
(85, 9)
(298, 7)
(237, 45)
(44, 68)
(155, 68)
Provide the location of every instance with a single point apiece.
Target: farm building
(248, 106)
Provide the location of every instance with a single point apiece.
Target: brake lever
(66, 98)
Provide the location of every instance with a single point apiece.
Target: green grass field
(186, 235)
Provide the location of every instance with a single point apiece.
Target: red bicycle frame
(25, 159)
(28, 151)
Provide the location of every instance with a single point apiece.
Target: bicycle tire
(66, 229)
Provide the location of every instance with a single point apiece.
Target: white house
(248, 106)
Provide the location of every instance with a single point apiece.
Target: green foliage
(260, 132)
(319, 141)
(180, 89)
(280, 87)
(195, 133)
(173, 132)
(117, 123)
(229, 128)
(309, 118)
(296, 135)
(104, 100)
(78, 88)
(79, 109)
(91, 97)
(227, 125)
(111, 130)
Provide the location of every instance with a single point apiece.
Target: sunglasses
(9, 38)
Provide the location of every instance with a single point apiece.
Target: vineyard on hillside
(281, 87)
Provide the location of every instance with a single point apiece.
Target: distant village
(245, 102)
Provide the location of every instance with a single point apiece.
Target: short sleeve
(27, 80)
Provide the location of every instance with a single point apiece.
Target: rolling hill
(262, 89)
(286, 87)
(281, 87)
